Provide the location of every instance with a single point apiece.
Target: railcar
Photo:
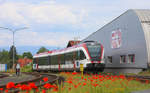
(90, 54)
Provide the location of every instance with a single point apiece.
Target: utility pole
(13, 31)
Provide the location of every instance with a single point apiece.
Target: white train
(90, 54)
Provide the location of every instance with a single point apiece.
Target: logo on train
(116, 39)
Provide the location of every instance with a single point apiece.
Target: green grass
(27, 68)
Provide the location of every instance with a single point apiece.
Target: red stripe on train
(102, 50)
(84, 45)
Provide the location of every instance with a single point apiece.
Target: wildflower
(75, 86)
(74, 73)
(146, 81)
(1, 89)
(32, 85)
(25, 87)
(55, 89)
(69, 82)
(10, 85)
(37, 90)
(18, 85)
(6, 90)
(43, 91)
(45, 79)
(84, 84)
(122, 77)
(95, 85)
(48, 86)
(69, 88)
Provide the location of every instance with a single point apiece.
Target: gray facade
(134, 26)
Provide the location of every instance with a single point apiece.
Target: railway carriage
(90, 54)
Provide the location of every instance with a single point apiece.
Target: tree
(28, 55)
(4, 57)
(42, 49)
(11, 54)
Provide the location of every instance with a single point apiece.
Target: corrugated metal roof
(144, 17)
(143, 14)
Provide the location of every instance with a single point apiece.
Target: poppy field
(89, 83)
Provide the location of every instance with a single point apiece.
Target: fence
(3, 67)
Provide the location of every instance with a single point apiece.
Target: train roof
(60, 50)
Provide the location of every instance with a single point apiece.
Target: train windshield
(94, 51)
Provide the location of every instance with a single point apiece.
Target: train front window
(94, 51)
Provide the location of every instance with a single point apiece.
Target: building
(72, 42)
(126, 41)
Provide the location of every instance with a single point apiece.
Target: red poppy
(55, 89)
(122, 77)
(45, 79)
(32, 85)
(37, 90)
(69, 82)
(48, 86)
(69, 88)
(10, 85)
(6, 90)
(95, 85)
(75, 86)
(43, 91)
(74, 73)
(25, 87)
(84, 84)
(147, 81)
(1, 89)
(18, 85)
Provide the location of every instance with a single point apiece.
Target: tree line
(6, 57)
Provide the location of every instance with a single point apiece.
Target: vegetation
(88, 84)
(27, 68)
(42, 49)
(11, 54)
(6, 57)
(27, 55)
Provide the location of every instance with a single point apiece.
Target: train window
(123, 59)
(94, 50)
(35, 60)
(54, 60)
(131, 58)
(43, 61)
(69, 56)
(109, 59)
(82, 55)
(62, 59)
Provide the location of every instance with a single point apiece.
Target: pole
(13, 31)
(13, 50)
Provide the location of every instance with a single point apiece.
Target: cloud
(43, 13)
(42, 39)
(53, 22)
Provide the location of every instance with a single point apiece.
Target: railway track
(3, 75)
(39, 77)
(143, 79)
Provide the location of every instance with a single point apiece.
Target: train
(90, 54)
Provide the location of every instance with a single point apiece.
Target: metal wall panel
(133, 41)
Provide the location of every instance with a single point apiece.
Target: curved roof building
(126, 40)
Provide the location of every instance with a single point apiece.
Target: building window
(109, 59)
(123, 59)
(131, 58)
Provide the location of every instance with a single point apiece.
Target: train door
(35, 64)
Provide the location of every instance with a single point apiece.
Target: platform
(15, 79)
